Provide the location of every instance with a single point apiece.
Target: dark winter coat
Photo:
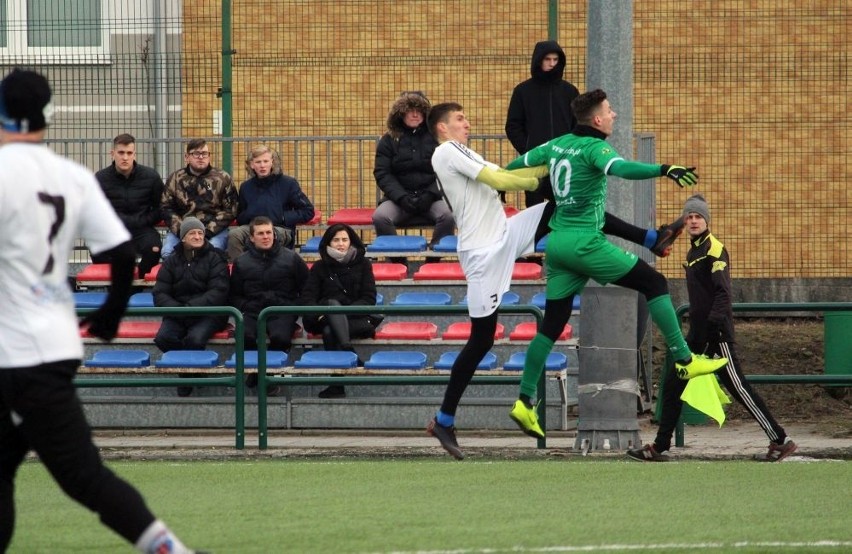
(708, 282)
(201, 280)
(351, 284)
(403, 163)
(278, 197)
(540, 107)
(261, 279)
(135, 198)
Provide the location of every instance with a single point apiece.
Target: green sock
(663, 314)
(537, 353)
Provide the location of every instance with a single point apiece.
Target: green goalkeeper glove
(683, 176)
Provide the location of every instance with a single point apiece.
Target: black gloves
(409, 204)
(683, 176)
(425, 200)
(103, 322)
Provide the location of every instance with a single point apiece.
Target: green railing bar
(262, 425)
(683, 309)
(235, 381)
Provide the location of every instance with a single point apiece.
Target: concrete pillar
(609, 315)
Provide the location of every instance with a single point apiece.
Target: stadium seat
(407, 330)
(526, 270)
(397, 243)
(460, 330)
(447, 359)
(555, 361)
(274, 358)
(331, 359)
(119, 358)
(131, 330)
(96, 272)
(352, 216)
(422, 299)
(311, 246)
(448, 243)
(510, 210)
(152, 275)
(509, 299)
(541, 245)
(141, 300)
(316, 220)
(528, 329)
(89, 299)
(380, 299)
(396, 359)
(539, 299)
(188, 358)
(443, 271)
(390, 271)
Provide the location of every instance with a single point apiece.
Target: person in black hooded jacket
(267, 274)
(403, 171)
(343, 276)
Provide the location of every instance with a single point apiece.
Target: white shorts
(488, 270)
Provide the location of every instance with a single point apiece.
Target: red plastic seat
(314, 220)
(510, 210)
(352, 216)
(408, 330)
(526, 270)
(390, 272)
(528, 329)
(97, 272)
(152, 275)
(444, 271)
(460, 330)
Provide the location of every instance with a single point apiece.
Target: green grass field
(441, 506)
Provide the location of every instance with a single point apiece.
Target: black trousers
(735, 383)
(279, 330)
(40, 411)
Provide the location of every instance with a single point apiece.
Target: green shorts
(572, 258)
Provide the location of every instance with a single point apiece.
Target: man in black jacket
(134, 191)
(267, 274)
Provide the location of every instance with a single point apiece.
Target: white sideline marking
(629, 547)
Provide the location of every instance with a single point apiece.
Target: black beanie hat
(24, 102)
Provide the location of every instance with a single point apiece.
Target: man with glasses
(202, 191)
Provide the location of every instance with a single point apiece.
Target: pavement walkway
(733, 441)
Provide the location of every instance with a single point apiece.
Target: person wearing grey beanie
(188, 224)
(711, 330)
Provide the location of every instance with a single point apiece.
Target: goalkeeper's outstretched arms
(519, 179)
(635, 171)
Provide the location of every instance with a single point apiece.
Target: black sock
(526, 400)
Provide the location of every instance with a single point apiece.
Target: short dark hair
(123, 138)
(440, 112)
(195, 144)
(259, 220)
(584, 105)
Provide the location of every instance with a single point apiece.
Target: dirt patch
(786, 346)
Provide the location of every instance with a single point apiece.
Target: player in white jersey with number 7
(46, 202)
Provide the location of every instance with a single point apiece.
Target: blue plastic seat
(380, 299)
(509, 299)
(541, 245)
(397, 243)
(89, 299)
(331, 359)
(188, 358)
(555, 361)
(274, 358)
(396, 359)
(141, 300)
(422, 299)
(447, 359)
(449, 243)
(119, 358)
(540, 298)
(312, 246)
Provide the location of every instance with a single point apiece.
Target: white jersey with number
(46, 202)
(476, 207)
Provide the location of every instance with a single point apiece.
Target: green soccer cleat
(700, 365)
(527, 419)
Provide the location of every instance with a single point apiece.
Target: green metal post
(226, 91)
(553, 19)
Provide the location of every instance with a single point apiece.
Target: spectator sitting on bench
(267, 274)
(202, 191)
(403, 172)
(135, 191)
(343, 276)
(269, 193)
(196, 275)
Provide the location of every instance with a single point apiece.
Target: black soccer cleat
(447, 437)
(666, 235)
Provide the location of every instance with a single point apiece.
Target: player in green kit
(577, 249)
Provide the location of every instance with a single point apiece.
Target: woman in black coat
(343, 276)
